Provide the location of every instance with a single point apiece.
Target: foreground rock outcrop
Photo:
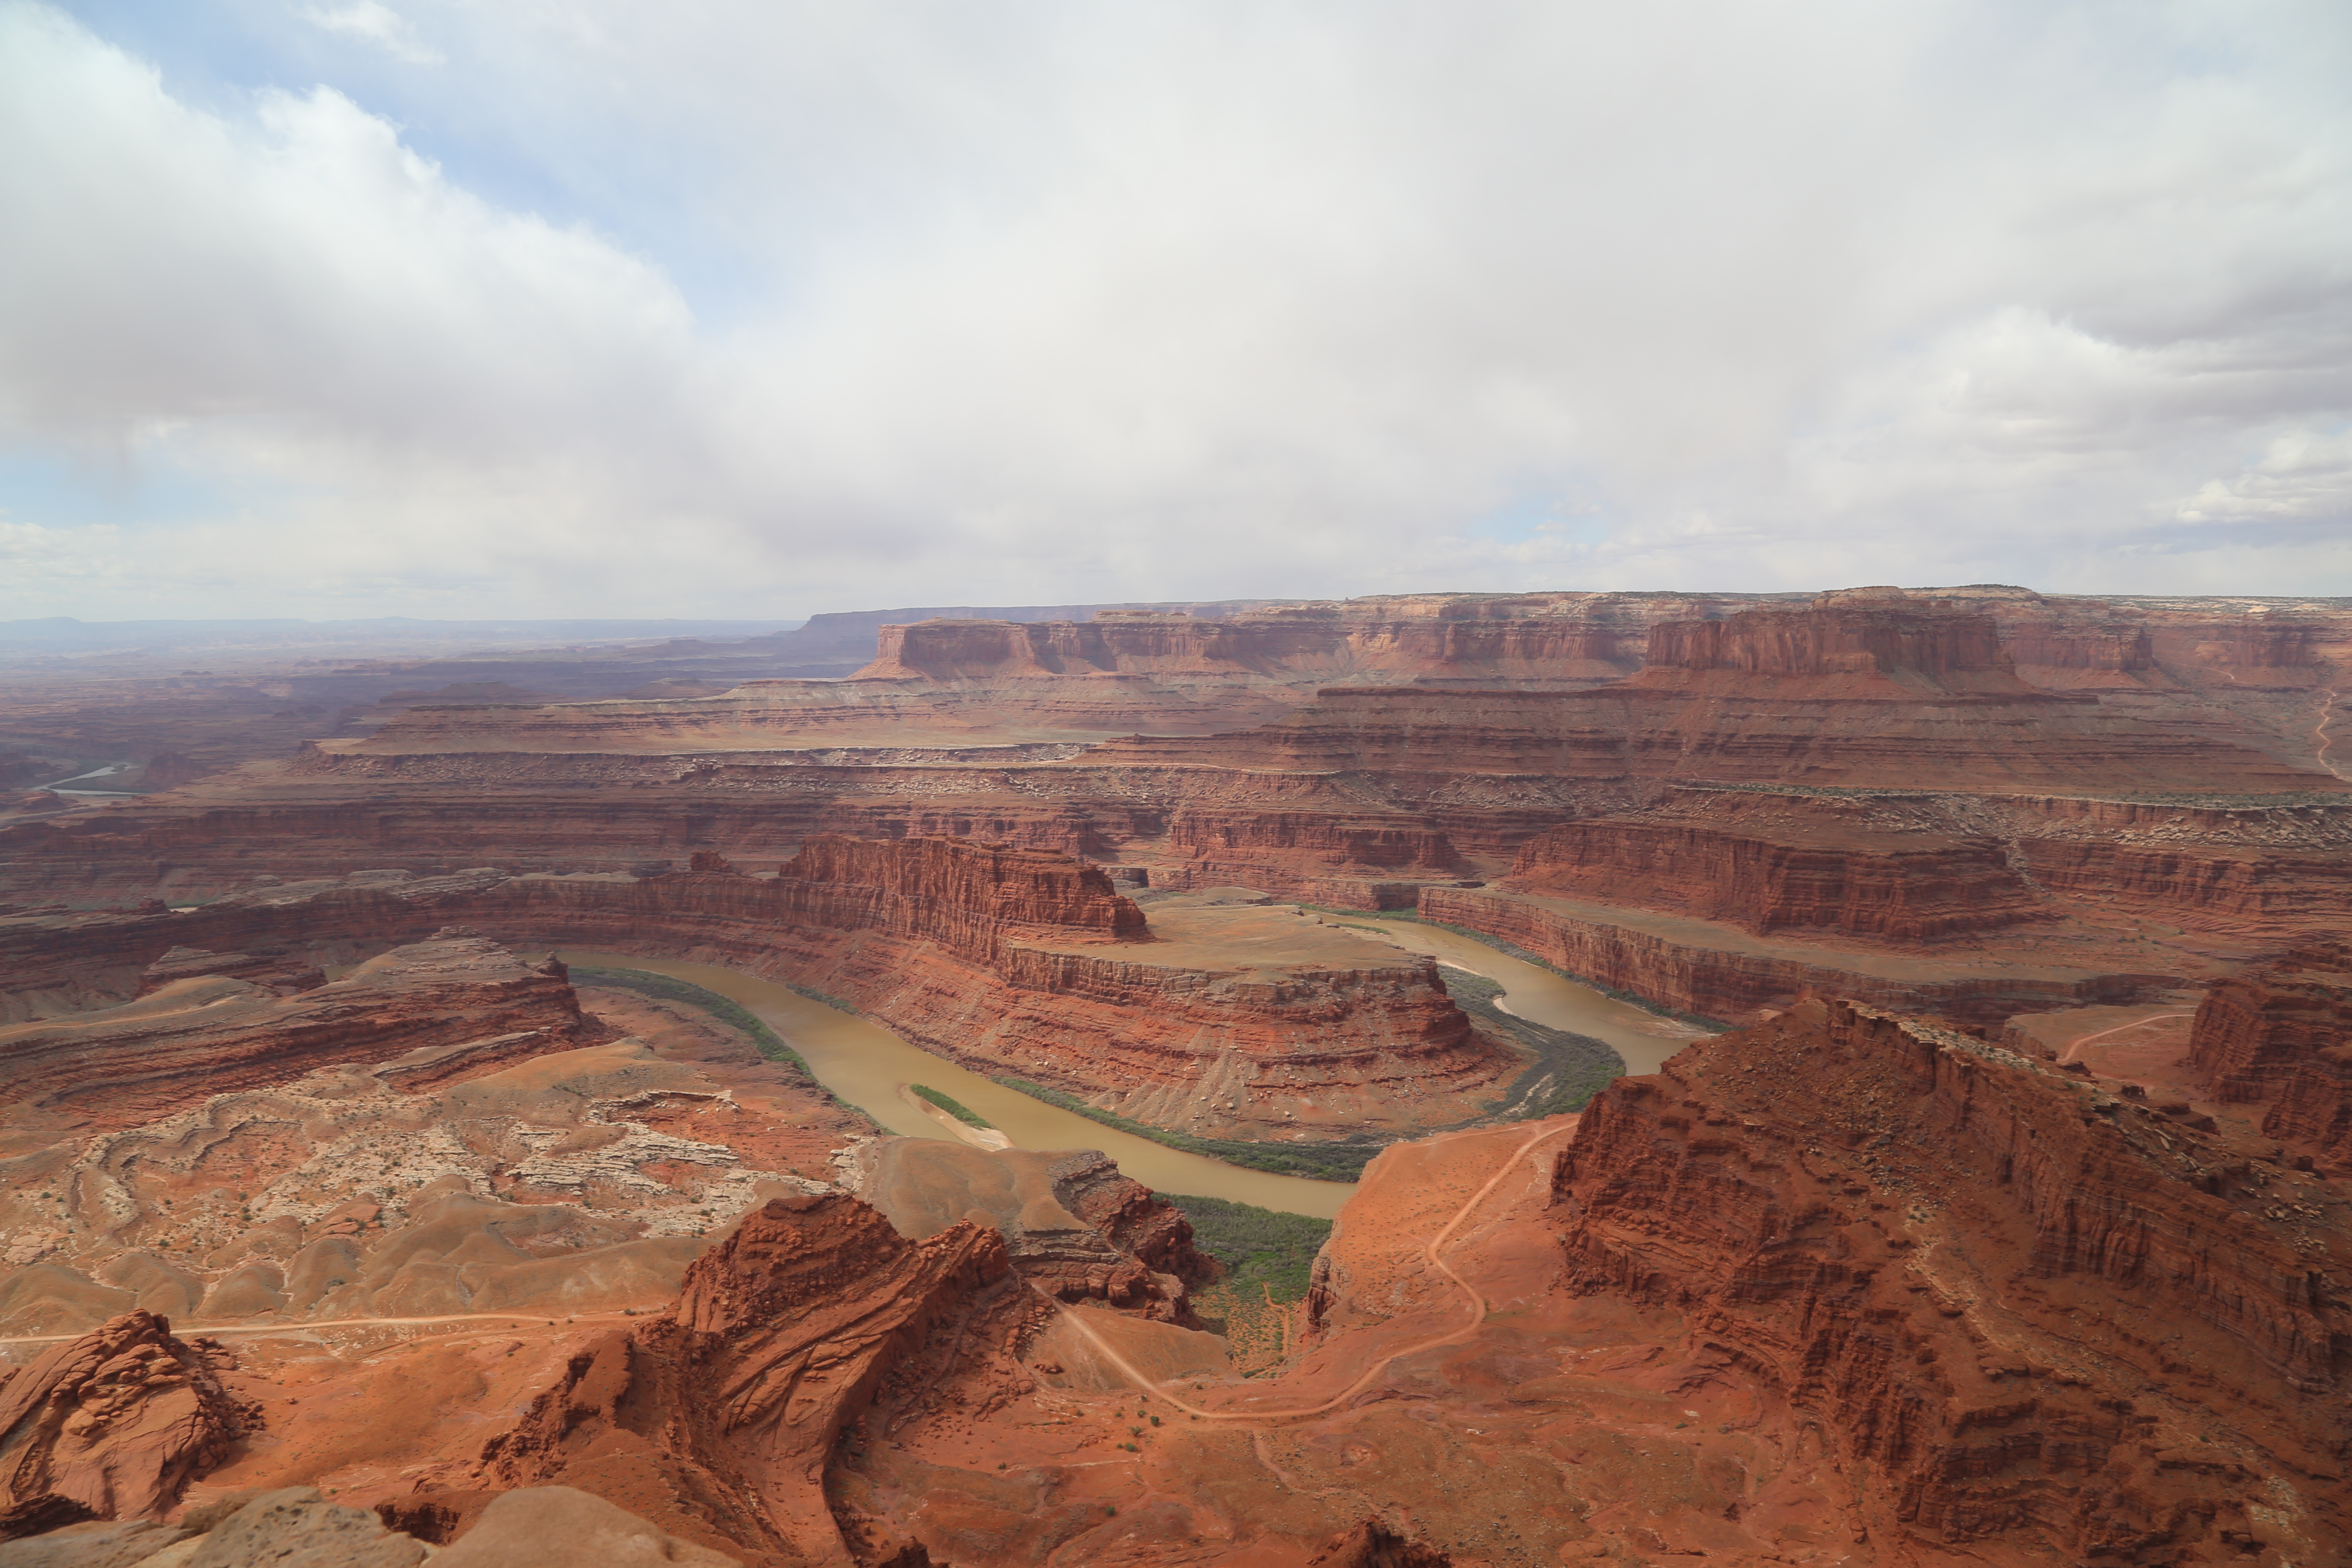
(721, 1417)
(113, 1425)
(2024, 1308)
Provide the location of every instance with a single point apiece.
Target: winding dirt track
(1477, 1316)
(216, 1330)
(2118, 1030)
(2319, 730)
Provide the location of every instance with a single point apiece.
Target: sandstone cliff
(2281, 1032)
(973, 899)
(1900, 889)
(1720, 971)
(212, 1033)
(2024, 1308)
(1843, 695)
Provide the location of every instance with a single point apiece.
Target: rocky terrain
(1992, 1214)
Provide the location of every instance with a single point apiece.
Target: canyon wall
(971, 899)
(214, 1035)
(1716, 974)
(1011, 961)
(1908, 888)
(2255, 1030)
(2281, 1032)
(1927, 647)
(2020, 1306)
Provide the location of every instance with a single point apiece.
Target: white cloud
(1049, 300)
(2303, 478)
(380, 25)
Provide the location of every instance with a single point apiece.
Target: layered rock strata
(1894, 888)
(2025, 1310)
(273, 972)
(114, 1423)
(2281, 1032)
(1721, 972)
(719, 1419)
(1013, 961)
(212, 1034)
(1838, 695)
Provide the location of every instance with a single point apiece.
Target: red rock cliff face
(115, 1422)
(1844, 696)
(1908, 888)
(970, 898)
(1571, 637)
(2252, 1031)
(1923, 646)
(2283, 1031)
(1725, 981)
(124, 1066)
(2216, 886)
(2027, 1309)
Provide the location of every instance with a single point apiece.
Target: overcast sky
(354, 307)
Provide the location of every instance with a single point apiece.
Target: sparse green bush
(1258, 1248)
(1316, 1162)
(962, 1114)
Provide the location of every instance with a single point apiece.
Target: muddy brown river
(865, 1064)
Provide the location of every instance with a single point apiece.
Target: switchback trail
(2319, 730)
(1429, 1251)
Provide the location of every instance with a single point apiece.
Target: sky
(352, 307)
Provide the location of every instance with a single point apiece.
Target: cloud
(380, 25)
(763, 309)
(2303, 479)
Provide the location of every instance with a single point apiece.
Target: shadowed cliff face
(2026, 1309)
(2281, 1032)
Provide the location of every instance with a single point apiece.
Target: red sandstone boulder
(115, 1422)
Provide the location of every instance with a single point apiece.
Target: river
(863, 1063)
(1531, 991)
